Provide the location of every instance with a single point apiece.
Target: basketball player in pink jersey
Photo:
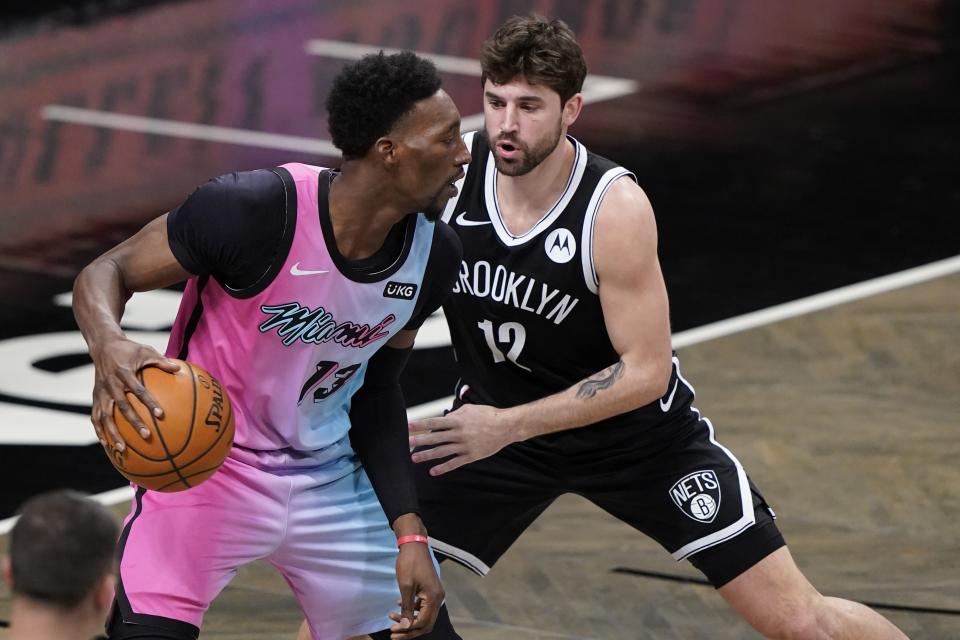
(305, 288)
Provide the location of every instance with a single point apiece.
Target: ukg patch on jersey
(400, 290)
(698, 495)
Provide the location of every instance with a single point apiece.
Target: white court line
(510, 627)
(707, 332)
(429, 409)
(125, 494)
(770, 315)
(596, 88)
(354, 51)
(448, 64)
(108, 498)
(178, 129)
(817, 302)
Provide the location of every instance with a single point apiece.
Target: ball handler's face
(524, 123)
(433, 154)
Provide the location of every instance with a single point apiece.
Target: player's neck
(362, 212)
(31, 621)
(523, 200)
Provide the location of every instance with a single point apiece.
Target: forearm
(633, 300)
(99, 297)
(141, 263)
(379, 435)
(619, 388)
(409, 524)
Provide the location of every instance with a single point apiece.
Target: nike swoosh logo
(297, 271)
(665, 406)
(463, 222)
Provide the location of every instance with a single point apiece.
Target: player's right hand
(116, 364)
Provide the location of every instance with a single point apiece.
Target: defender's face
(524, 123)
(434, 154)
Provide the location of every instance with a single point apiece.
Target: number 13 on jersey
(509, 333)
(324, 369)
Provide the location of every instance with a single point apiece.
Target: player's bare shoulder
(625, 232)
(625, 204)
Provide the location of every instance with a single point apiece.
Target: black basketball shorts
(682, 488)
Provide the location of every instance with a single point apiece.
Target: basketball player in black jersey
(559, 320)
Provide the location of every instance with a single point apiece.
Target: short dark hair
(61, 546)
(541, 51)
(368, 97)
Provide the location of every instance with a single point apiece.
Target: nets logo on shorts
(698, 495)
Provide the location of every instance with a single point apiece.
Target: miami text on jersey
(294, 322)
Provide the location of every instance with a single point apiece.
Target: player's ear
(571, 109)
(103, 594)
(387, 150)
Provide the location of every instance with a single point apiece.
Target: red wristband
(407, 539)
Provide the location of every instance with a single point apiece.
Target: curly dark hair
(541, 51)
(369, 96)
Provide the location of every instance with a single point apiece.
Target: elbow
(101, 277)
(81, 281)
(656, 381)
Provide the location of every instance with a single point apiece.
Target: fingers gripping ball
(189, 443)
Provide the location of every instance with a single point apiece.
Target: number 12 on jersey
(510, 333)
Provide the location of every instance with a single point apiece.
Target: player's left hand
(470, 433)
(421, 593)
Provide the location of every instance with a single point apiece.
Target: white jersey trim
(747, 518)
(493, 205)
(465, 558)
(451, 207)
(590, 222)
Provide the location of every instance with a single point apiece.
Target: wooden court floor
(848, 421)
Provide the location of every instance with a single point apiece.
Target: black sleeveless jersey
(525, 317)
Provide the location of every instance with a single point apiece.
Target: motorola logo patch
(560, 246)
(400, 290)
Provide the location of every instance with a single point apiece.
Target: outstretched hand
(117, 363)
(421, 593)
(470, 433)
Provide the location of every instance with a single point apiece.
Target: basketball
(189, 443)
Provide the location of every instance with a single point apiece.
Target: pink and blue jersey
(292, 354)
(291, 345)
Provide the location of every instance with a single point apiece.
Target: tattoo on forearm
(601, 380)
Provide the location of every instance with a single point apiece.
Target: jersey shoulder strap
(476, 142)
(606, 172)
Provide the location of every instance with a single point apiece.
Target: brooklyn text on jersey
(484, 280)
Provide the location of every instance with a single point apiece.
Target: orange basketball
(189, 443)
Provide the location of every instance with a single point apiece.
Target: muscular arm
(379, 436)
(229, 227)
(378, 433)
(634, 302)
(378, 412)
(100, 292)
(635, 311)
